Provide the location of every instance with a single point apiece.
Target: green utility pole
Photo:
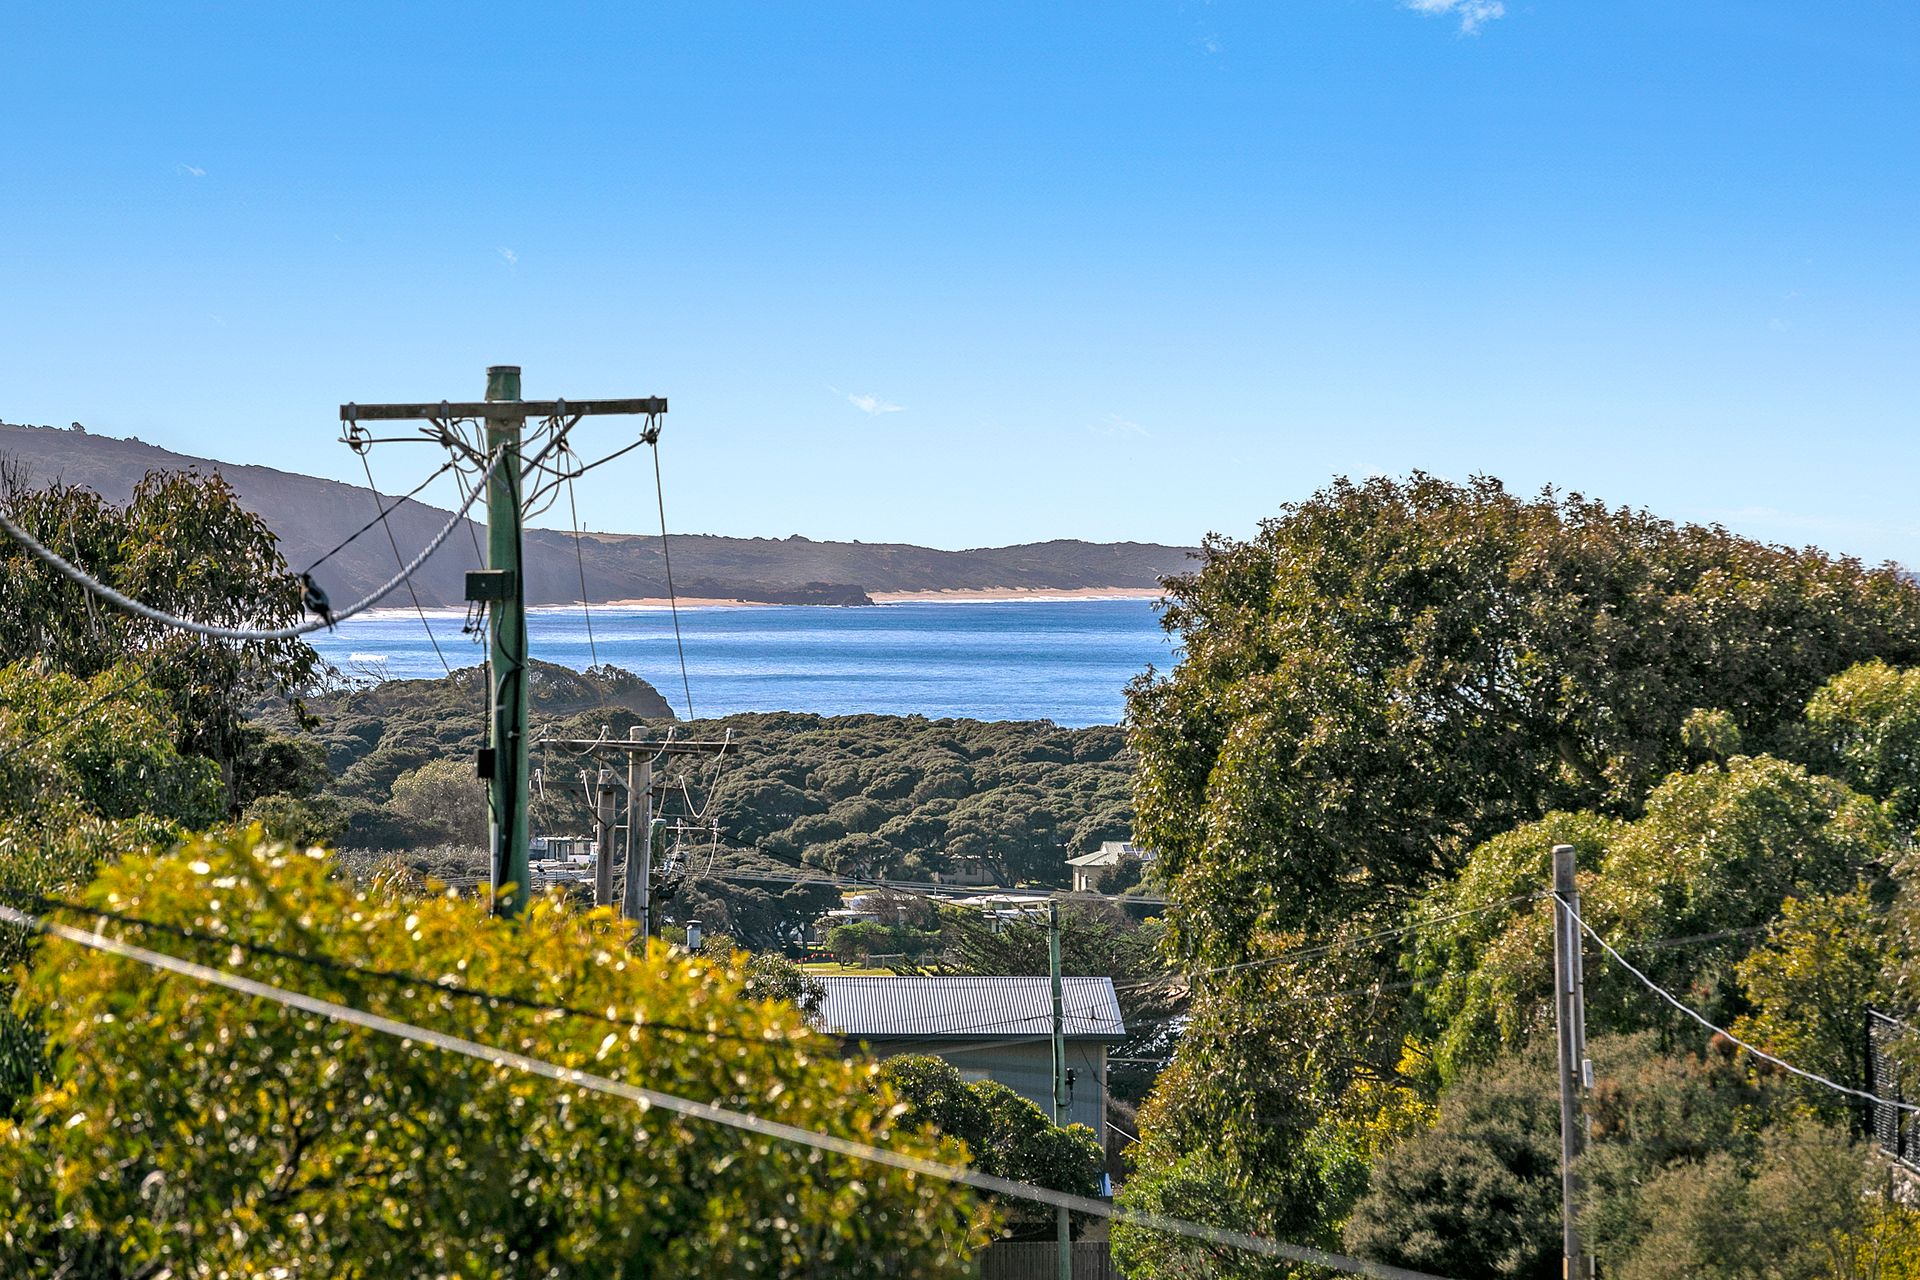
(507, 733)
(1059, 1075)
(501, 585)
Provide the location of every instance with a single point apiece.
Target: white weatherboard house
(1088, 866)
(990, 1028)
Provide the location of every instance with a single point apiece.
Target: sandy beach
(661, 602)
(961, 595)
(983, 594)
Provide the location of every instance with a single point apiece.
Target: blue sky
(974, 274)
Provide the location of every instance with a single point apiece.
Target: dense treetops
(866, 796)
(1392, 672)
(1395, 700)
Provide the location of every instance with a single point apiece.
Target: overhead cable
(89, 583)
(1701, 1018)
(666, 558)
(381, 514)
(710, 1112)
(395, 544)
(580, 561)
(396, 977)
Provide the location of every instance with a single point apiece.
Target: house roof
(967, 1008)
(1109, 854)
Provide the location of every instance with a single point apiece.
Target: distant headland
(311, 514)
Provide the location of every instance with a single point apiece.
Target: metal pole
(507, 734)
(603, 850)
(1062, 1221)
(1569, 992)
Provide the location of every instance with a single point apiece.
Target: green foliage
(1393, 673)
(1864, 725)
(448, 796)
(1716, 853)
(187, 1128)
(869, 796)
(1006, 1134)
(1478, 1194)
(183, 544)
(81, 777)
(1235, 1132)
(1678, 1144)
(1810, 986)
(267, 763)
(1806, 1208)
(114, 759)
(859, 941)
(768, 975)
(1095, 938)
(300, 820)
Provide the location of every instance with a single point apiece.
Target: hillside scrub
(870, 796)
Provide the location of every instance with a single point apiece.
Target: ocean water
(1061, 660)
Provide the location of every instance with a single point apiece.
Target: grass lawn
(833, 968)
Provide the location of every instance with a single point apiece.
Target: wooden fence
(1040, 1260)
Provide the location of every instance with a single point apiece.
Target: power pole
(641, 826)
(501, 585)
(1061, 1219)
(603, 849)
(638, 904)
(1570, 1010)
(507, 731)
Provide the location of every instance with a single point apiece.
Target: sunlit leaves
(225, 1134)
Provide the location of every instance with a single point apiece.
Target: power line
(1701, 1018)
(394, 543)
(1308, 953)
(580, 562)
(666, 558)
(708, 1111)
(381, 513)
(931, 890)
(399, 977)
(89, 583)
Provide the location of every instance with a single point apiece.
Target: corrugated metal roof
(968, 1008)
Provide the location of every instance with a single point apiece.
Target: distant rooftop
(967, 1008)
(1110, 853)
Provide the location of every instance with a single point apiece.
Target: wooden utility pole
(502, 587)
(636, 896)
(603, 826)
(1570, 1010)
(1062, 1221)
(638, 903)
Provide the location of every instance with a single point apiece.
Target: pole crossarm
(646, 406)
(633, 744)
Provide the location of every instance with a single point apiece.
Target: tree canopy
(1393, 702)
(1006, 1134)
(184, 544)
(190, 1128)
(1392, 672)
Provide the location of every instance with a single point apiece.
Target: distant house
(967, 870)
(1003, 909)
(1087, 868)
(989, 1028)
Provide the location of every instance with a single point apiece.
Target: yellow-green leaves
(284, 1140)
